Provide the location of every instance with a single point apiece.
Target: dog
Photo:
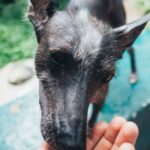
(75, 60)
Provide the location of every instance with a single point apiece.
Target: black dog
(75, 61)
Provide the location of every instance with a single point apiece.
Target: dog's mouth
(70, 136)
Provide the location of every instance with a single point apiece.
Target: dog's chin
(67, 145)
(49, 135)
(61, 141)
(49, 140)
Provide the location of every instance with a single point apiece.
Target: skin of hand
(119, 134)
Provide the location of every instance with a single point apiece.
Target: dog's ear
(124, 36)
(39, 12)
(127, 34)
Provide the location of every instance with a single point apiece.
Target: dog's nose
(67, 141)
(72, 135)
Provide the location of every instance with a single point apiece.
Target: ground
(20, 119)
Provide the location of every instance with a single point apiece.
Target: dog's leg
(98, 102)
(95, 111)
(133, 76)
(117, 17)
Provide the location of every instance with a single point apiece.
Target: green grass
(144, 5)
(17, 40)
(63, 4)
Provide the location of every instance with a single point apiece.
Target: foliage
(144, 5)
(16, 39)
(63, 4)
(16, 43)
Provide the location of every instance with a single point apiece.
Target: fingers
(126, 146)
(118, 135)
(45, 146)
(112, 132)
(128, 134)
(96, 134)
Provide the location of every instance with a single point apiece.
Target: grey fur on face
(75, 60)
(77, 34)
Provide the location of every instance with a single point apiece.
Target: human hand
(119, 134)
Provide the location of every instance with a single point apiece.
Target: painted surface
(126, 99)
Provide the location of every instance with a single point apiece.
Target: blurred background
(19, 106)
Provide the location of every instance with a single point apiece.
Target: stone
(21, 72)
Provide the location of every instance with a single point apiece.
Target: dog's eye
(58, 58)
(61, 61)
(107, 79)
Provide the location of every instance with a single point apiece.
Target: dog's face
(71, 62)
(76, 54)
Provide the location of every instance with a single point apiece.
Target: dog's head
(76, 54)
